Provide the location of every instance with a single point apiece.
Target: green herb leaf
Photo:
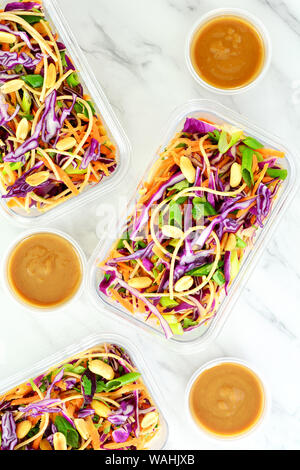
(35, 81)
(87, 385)
(181, 145)
(187, 323)
(214, 136)
(100, 387)
(68, 431)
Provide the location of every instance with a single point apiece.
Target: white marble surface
(136, 49)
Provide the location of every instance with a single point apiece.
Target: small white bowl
(16, 298)
(264, 415)
(245, 15)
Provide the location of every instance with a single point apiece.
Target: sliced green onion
(252, 143)
(124, 380)
(92, 109)
(166, 302)
(203, 270)
(234, 265)
(73, 80)
(202, 208)
(171, 319)
(274, 173)
(180, 186)
(247, 162)
(175, 214)
(177, 329)
(31, 19)
(219, 278)
(225, 144)
(240, 243)
(70, 170)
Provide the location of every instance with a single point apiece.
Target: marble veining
(136, 49)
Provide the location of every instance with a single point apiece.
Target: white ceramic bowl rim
(259, 26)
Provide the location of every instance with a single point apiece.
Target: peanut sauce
(44, 270)
(227, 400)
(228, 52)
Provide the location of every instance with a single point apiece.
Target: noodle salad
(95, 401)
(198, 214)
(53, 144)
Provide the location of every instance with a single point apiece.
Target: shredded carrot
(36, 442)
(123, 302)
(260, 179)
(271, 153)
(39, 67)
(24, 401)
(93, 434)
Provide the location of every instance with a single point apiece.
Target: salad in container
(198, 217)
(54, 144)
(95, 400)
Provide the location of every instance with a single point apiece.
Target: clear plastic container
(49, 310)
(59, 357)
(245, 15)
(115, 132)
(267, 400)
(201, 337)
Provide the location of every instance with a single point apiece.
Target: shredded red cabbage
(195, 126)
(20, 187)
(20, 34)
(10, 60)
(91, 154)
(24, 6)
(9, 437)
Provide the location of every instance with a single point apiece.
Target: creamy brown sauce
(44, 270)
(227, 400)
(228, 52)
